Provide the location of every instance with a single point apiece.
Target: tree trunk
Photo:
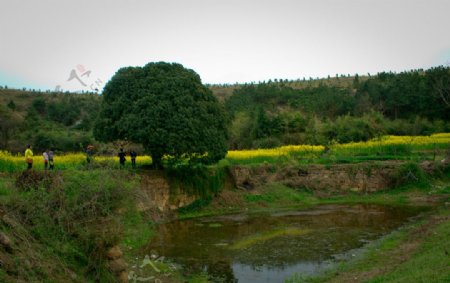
(157, 161)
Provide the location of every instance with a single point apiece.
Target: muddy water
(271, 247)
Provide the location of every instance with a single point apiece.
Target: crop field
(386, 147)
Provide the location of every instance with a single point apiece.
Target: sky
(79, 44)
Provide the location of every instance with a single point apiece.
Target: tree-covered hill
(279, 112)
(46, 119)
(341, 108)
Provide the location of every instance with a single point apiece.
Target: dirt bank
(331, 179)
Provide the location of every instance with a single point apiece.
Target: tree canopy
(165, 107)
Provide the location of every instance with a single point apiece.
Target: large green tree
(165, 107)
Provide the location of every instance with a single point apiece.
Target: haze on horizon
(42, 42)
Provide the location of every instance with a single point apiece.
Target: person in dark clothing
(89, 153)
(133, 156)
(51, 156)
(122, 158)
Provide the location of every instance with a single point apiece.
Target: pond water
(271, 247)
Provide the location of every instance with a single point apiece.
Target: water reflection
(270, 247)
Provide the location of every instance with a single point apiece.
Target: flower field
(274, 152)
(394, 145)
(12, 163)
(386, 145)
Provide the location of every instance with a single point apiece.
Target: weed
(409, 174)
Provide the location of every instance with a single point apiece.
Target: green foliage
(196, 180)
(137, 230)
(239, 130)
(428, 264)
(10, 123)
(167, 109)
(196, 205)
(46, 118)
(11, 105)
(409, 174)
(39, 105)
(61, 140)
(408, 103)
(277, 193)
(266, 114)
(348, 128)
(76, 218)
(63, 112)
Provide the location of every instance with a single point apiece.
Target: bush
(269, 142)
(32, 180)
(408, 174)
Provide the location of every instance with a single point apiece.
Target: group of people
(122, 157)
(48, 156)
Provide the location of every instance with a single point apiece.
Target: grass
(417, 252)
(275, 193)
(430, 263)
(77, 215)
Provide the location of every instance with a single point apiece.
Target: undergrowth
(76, 215)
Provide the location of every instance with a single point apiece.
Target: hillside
(265, 114)
(224, 91)
(61, 120)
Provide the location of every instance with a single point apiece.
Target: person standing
(89, 152)
(45, 155)
(122, 158)
(51, 155)
(133, 158)
(29, 157)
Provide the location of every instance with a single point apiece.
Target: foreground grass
(67, 221)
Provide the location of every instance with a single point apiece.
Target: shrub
(409, 173)
(32, 180)
(269, 142)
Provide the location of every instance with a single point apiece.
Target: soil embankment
(335, 179)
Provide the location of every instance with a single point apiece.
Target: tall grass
(75, 214)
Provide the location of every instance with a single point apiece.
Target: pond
(272, 246)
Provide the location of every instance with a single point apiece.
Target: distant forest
(260, 115)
